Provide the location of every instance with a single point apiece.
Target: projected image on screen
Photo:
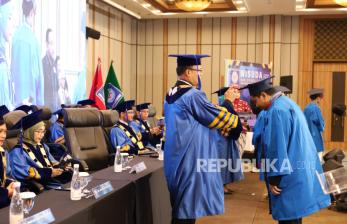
(42, 52)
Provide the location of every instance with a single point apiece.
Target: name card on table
(138, 168)
(102, 189)
(45, 216)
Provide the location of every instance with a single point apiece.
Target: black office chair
(84, 137)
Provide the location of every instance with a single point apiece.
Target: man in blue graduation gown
(6, 30)
(6, 183)
(150, 136)
(291, 159)
(191, 121)
(228, 149)
(57, 129)
(26, 64)
(315, 119)
(122, 134)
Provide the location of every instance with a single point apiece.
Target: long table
(136, 199)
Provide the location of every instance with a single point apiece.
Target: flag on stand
(113, 91)
(97, 89)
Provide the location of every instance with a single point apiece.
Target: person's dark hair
(181, 69)
(315, 96)
(270, 92)
(27, 6)
(2, 121)
(49, 30)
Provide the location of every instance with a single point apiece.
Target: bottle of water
(160, 152)
(16, 207)
(76, 191)
(118, 161)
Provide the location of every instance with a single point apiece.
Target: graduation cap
(221, 91)
(124, 106)
(26, 108)
(3, 110)
(283, 89)
(28, 121)
(86, 102)
(258, 87)
(339, 109)
(315, 91)
(184, 60)
(142, 106)
(58, 112)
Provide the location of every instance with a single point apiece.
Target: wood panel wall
(139, 48)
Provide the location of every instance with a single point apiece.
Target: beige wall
(139, 48)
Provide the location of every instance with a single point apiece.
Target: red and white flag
(97, 89)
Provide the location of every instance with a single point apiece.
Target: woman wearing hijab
(31, 159)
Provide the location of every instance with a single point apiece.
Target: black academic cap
(221, 91)
(26, 108)
(124, 106)
(339, 109)
(188, 59)
(258, 87)
(86, 102)
(142, 106)
(3, 110)
(58, 112)
(283, 89)
(28, 121)
(315, 91)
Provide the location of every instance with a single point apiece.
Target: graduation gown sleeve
(24, 168)
(211, 116)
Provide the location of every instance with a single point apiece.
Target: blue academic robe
(26, 67)
(139, 130)
(57, 133)
(229, 151)
(288, 145)
(5, 93)
(257, 141)
(119, 138)
(5, 180)
(23, 167)
(191, 120)
(316, 124)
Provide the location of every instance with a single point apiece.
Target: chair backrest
(109, 119)
(84, 136)
(152, 120)
(11, 119)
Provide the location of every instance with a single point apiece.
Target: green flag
(113, 91)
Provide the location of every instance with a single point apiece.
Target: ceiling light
(146, 5)
(192, 5)
(341, 2)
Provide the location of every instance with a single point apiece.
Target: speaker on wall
(287, 81)
(94, 34)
